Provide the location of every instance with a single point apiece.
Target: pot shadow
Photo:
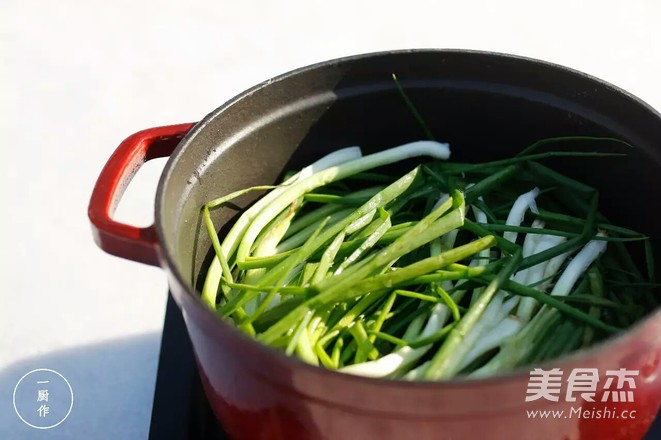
(112, 384)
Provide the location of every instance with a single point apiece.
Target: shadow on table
(113, 387)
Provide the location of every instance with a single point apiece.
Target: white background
(79, 76)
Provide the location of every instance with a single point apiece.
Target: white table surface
(79, 76)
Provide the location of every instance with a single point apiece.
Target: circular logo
(43, 398)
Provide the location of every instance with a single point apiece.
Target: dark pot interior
(485, 105)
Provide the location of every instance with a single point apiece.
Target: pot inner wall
(486, 106)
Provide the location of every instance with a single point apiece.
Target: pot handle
(122, 240)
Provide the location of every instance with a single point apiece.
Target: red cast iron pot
(486, 106)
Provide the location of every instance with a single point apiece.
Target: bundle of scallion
(450, 269)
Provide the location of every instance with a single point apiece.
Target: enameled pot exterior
(486, 105)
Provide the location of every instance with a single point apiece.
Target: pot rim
(167, 258)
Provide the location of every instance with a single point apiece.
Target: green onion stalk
(441, 270)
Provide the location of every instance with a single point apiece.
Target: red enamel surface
(258, 394)
(130, 242)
